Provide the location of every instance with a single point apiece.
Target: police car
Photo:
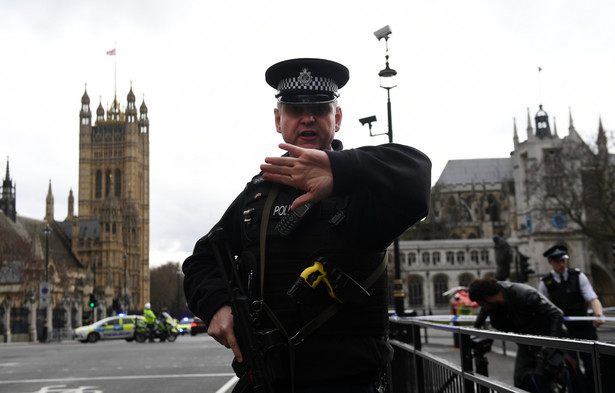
(184, 325)
(117, 327)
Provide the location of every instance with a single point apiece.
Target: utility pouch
(347, 289)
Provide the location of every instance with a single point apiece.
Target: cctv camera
(383, 32)
(367, 120)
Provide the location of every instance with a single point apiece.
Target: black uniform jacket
(379, 191)
(526, 311)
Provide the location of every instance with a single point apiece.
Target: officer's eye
(317, 110)
(295, 110)
(320, 109)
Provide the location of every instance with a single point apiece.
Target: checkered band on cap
(315, 83)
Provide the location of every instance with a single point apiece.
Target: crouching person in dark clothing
(518, 308)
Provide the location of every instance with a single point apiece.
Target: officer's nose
(307, 117)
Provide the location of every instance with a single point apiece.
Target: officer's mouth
(308, 135)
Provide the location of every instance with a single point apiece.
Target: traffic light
(524, 268)
(92, 301)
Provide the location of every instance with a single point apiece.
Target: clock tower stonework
(110, 235)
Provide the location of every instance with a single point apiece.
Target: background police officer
(348, 207)
(571, 291)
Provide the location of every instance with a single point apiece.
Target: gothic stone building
(104, 250)
(475, 201)
(111, 234)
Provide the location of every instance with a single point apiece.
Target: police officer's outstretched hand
(306, 169)
(221, 328)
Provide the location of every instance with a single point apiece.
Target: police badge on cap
(556, 253)
(307, 81)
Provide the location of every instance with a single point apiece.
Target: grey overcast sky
(466, 69)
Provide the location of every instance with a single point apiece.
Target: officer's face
(309, 126)
(558, 266)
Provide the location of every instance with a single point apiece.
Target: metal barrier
(415, 370)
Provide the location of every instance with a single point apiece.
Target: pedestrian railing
(415, 370)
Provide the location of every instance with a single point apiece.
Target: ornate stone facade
(475, 200)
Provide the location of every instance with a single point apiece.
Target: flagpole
(539, 86)
(115, 70)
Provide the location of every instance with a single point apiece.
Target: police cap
(307, 81)
(556, 253)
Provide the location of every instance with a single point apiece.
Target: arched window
(411, 258)
(450, 257)
(461, 257)
(425, 258)
(118, 183)
(440, 285)
(474, 256)
(98, 184)
(484, 256)
(415, 290)
(435, 257)
(107, 183)
(464, 279)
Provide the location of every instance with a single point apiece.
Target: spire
(555, 128)
(85, 114)
(7, 176)
(7, 197)
(71, 206)
(515, 135)
(100, 111)
(143, 120)
(49, 208)
(530, 130)
(603, 151)
(572, 132)
(131, 109)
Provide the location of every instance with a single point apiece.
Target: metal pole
(125, 297)
(47, 322)
(47, 230)
(398, 287)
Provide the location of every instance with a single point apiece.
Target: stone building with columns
(475, 200)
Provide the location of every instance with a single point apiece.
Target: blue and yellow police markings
(107, 328)
(116, 329)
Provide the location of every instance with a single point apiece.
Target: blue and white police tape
(472, 318)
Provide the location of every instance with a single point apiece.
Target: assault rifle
(257, 347)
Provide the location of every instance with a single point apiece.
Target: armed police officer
(571, 291)
(322, 210)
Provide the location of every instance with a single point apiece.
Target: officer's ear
(338, 118)
(276, 114)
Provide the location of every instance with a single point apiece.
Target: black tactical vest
(567, 295)
(320, 234)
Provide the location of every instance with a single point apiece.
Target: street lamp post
(47, 231)
(125, 297)
(179, 274)
(387, 82)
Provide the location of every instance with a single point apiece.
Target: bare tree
(576, 183)
(166, 289)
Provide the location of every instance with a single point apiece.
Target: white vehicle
(118, 327)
